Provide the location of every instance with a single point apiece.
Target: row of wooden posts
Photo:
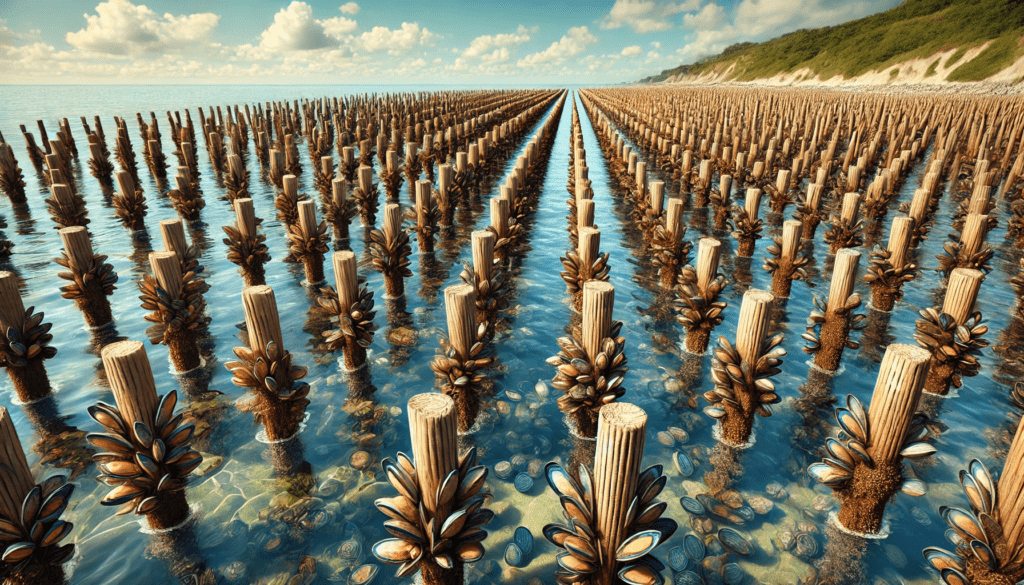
(868, 473)
(141, 432)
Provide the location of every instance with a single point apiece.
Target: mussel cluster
(461, 376)
(249, 253)
(30, 542)
(644, 530)
(743, 389)
(589, 384)
(844, 234)
(982, 554)
(425, 540)
(955, 348)
(354, 322)
(700, 311)
(147, 467)
(280, 397)
(671, 251)
(19, 345)
(957, 255)
(885, 280)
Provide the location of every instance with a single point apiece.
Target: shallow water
(233, 495)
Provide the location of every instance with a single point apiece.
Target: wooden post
(339, 200)
(598, 302)
(657, 197)
(584, 214)
(433, 428)
(424, 211)
(30, 380)
(835, 330)
(182, 343)
(809, 214)
(887, 274)
(17, 480)
(499, 216)
(261, 318)
(173, 233)
(737, 424)
(346, 280)
(621, 430)
(899, 241)
(92, 292)
(893, 404)
(313, 256)
(708, 253)
(460, 308)
(973, 236)
(961, 295)
(483, 257)
(394, 284)
(1010, 493)
(751, 206)
(131, 379)
(782, 277)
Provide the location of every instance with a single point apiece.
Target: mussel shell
(503, 469)
(523, 482)
(677, 559)
(735, 542)
(692, 506)
(732, 574)
(694, 548)
(523, 538)
(687, 578)
(683, 463)
(514, 556)
(363, 575)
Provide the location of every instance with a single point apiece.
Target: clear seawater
(240, 489)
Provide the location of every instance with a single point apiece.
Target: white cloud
(710, 17)
(8, 36)
(497, 56)
(574, 42)
(295, 29)
(632, 51)
(483, 44)
(644, 16)
(122, 28)
(396, 41)
(349, 8)
(339, 26)
(656, 44)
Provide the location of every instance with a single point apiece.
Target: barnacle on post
(956, 255)
(309, 248)
(589, 384)
(745, 230)
(444, 540)
(503, 244)
(147, 467)
(279, 394)
(783, 270)
(577, 273)
(489, 294)
(188, 199)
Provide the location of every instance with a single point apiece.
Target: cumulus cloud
(644, 16)
(396, 41)
(483, 44)
(574, 42)
(295, 29)
(122, 28)
(9, 36)
(632, 51)
(339, 26)
(349, 8)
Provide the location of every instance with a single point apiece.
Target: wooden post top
(621, 415)
(131, 379)
(261, 317)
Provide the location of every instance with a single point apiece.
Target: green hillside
(914, 29)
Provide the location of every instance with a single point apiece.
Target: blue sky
(393, 42)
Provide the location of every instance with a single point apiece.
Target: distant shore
(1001, 88)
